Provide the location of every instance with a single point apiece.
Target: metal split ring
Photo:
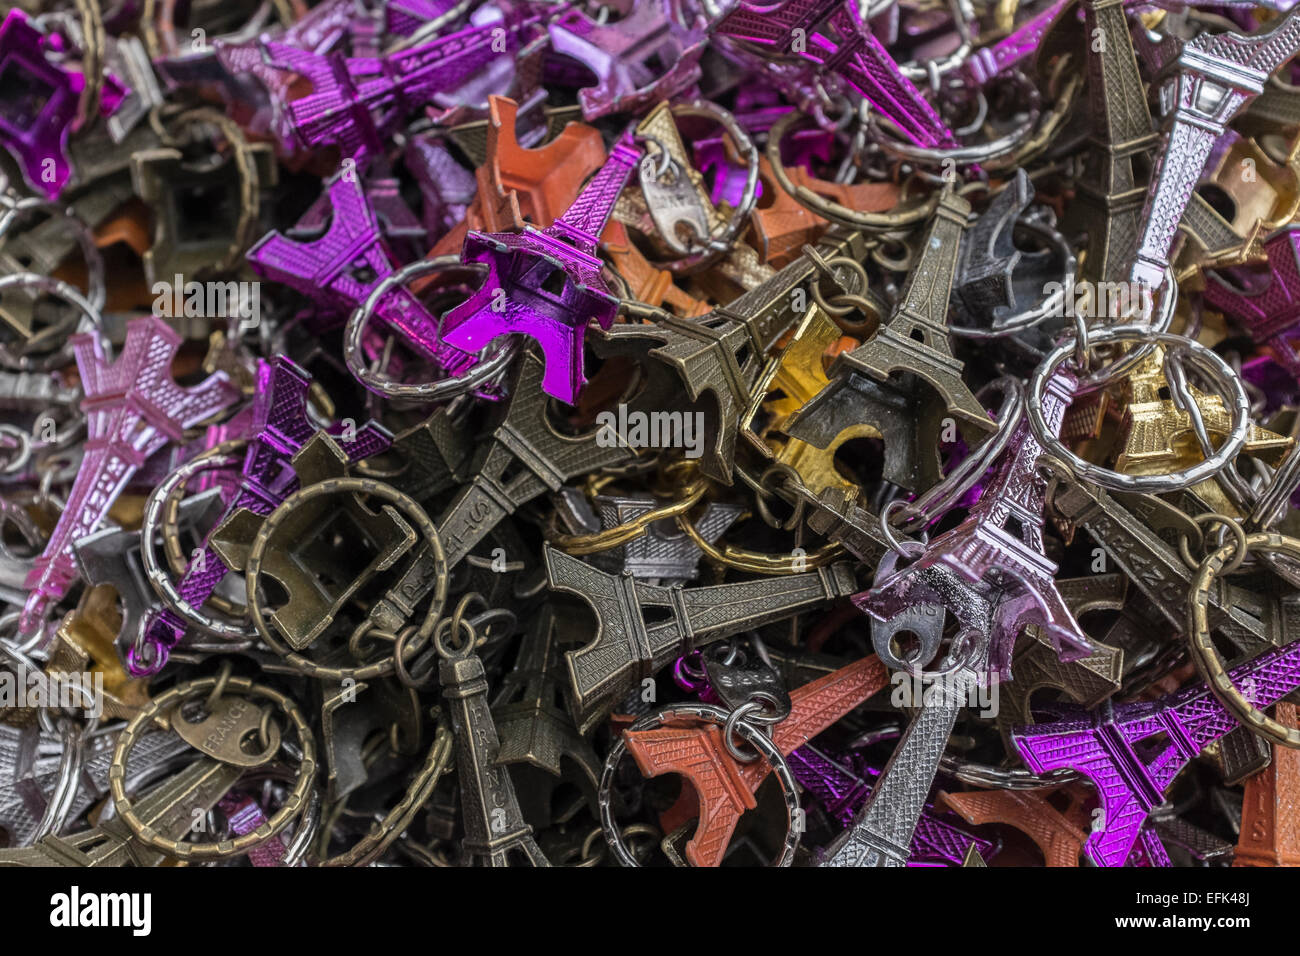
(833, 210)
(709, 251)
(715, 715)
(61, 289)
(139, 657)
(964, 155)
(492, 361)
(410, 509)
(294, 802)
(1208, 362)
(1211, 667)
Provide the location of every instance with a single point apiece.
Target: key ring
(61, 357)
(170, 528)
(962, 478)
(963, 13)
(63, 794)
(999, 778)
(787, 472)
(887, 531)
(1238, 491)
(54, 683)
(489, 365)
(833, 210)
(590, 855)
(22, 444)
(458, 624)
(750, 711)
(843, 303)
(417, 795)
(714, 715)
(1205, 359)
(96, 291)
(409, 508)
(1207, 657)
(962, 155)
(249, 183)
(92, 62)
(1099, 377)
(158, 26)
(1233, 525)
(963, 654)
(158, 577)
(15, 205)
(294, 802)
(666, 161)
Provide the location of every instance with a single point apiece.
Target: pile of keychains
(650, 433)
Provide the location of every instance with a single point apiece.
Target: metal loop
(791, 476)
(61, 289)
(1207, 659)
(962, 15)
(294, 802)
(962, 478)
(729, 730)
(96, 291)
(158, 576)
(1233, 525)
(1050, 306)
(1208, 362)
(715, 715)
(490, 363)
(832, 210)
(457, 624)
(22, 445)
(717, 246)
(904, 549)
(410, 509)
(223, 678)
(666, 160)
(845, 302)
(1105, 375)
(999, 778)
(964, 155)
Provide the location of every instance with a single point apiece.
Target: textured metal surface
(626, 647)
(906, 378)
(1103, 746)
(133, 408)
(1217, 76)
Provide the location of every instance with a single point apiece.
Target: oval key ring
(714, 715)
(1208, 361)
(833, 210)
(490, 362)
(96, 291)
(964, 155)
(294, 802)
(337, 486)
(1202, 647)
(1052, 304)
(61, 289)
(158, 576)
(962, 478)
